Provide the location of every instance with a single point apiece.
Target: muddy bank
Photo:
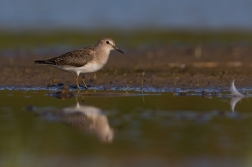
(183, 66)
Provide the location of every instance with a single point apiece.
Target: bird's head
(109, 44)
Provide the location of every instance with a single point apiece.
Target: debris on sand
(234, 91)
(236, 96)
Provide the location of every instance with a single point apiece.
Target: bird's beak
(118, 49)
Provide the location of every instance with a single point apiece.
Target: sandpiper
(85, 60)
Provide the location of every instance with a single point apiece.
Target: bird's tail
(42, 62)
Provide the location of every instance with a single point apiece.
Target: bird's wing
(75, 58)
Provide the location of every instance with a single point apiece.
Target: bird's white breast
(87, 68)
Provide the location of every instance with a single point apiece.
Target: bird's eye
(107, 42)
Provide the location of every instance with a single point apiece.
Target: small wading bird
(85, 60)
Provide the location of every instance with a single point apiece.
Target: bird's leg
(82, 100)
(82, 79)
(77, 83)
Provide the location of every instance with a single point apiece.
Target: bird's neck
(104, 51)
(102, 54)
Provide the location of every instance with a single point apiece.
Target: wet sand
(173, 66)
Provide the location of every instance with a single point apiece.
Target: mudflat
(175, 66)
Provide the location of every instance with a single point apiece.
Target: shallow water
(93, 129)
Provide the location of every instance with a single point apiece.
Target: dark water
(119, 130)
(130, 14)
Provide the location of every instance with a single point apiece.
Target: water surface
(166, 129)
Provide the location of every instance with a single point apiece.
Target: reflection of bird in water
(236, 96)
(84, 118)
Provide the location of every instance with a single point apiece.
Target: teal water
(94, 129)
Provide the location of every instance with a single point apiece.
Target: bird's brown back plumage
(75, 58)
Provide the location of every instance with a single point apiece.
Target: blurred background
(20, 15)
(75, 22)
